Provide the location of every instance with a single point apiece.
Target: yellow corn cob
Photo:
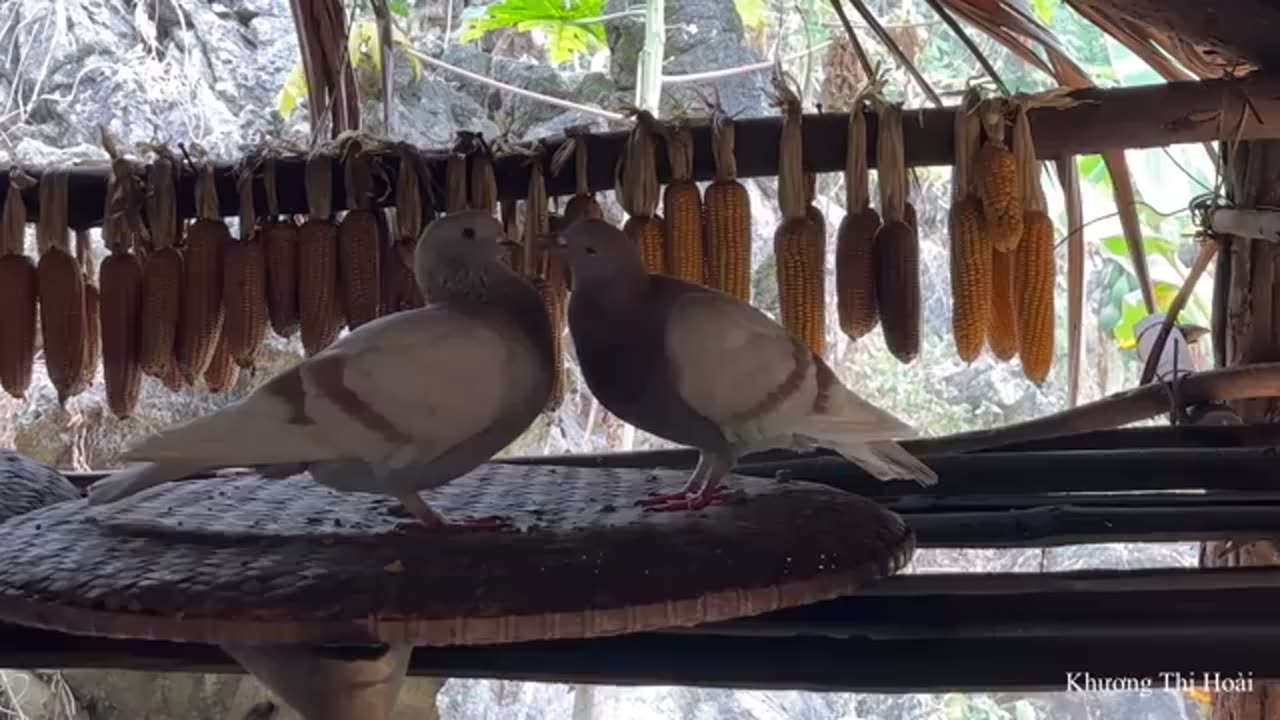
(360, 236)
(727, 208)
(280, 248)
(553, 298)
(319, 301)
(1033, 283)
(801, 283)
(998, 189)
(121, 306)
(18, 292)
(161, 309)
(92, 336)
(897, 256)
(648, 233)
(222, 373)
(201, 313)
(62, 319)
(856, 273)
(682, 210)
(244, 299)
(970, 279)
(1002, 329)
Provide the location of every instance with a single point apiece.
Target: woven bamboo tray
(26, 485)
(239, 559)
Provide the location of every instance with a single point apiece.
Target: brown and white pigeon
(700, 368)
(405, 403)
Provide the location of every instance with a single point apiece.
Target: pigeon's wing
(427, 378)
(740, 369)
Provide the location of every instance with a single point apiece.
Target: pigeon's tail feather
(887, 460)
(139, 477)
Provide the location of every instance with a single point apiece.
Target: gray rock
(470, 58)
(743, 95)
(556, 126)
(692, 25)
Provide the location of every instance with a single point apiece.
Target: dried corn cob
(361, 233)
(400, 290)
(202, 316)
(970, 249)
(583, 203)
(682, 211)
(727, 217)
(162, 273)
(279, 238)
(244, 284)
(997, 180)
(897, 246)
(222, 373)
(61, 289)
(1034, 268)
(319, 300)
(546, 275)
(120, 275)
(1002, 330)
(512, 252)
(18, 292)
(637, 184)
(855, 239)
(92, 313)
(799, 244)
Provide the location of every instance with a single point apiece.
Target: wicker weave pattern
(252, 561)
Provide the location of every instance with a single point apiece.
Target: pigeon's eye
(468, 233)
(590, 250)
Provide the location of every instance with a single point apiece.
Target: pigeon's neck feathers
(620, 289)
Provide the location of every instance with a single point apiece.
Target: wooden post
(1251, 335)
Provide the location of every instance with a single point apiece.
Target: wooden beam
(1134, 117)
(944, 633)
(1254, 224)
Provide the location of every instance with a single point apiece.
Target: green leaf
(1045, 9)
(292, 92)
(1132, 311)
(399, 7)
(753, 13)
(567, 34)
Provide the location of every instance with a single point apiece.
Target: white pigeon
(405, 403)
(700, 368)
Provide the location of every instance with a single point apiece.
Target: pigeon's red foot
(678, 502)
(657, 498)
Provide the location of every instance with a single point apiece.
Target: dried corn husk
(682, 210)
(484, 184)
(92, 311)
(548, 277)
(279, 237)
(202, 314)
(855, 239)
(413, 212)
(121, 278)
(61, 289)
(319, 298)
(1035, 271)
(727, 216)
(361, 234)
(583, 204)
(244, 289)
(897, 245)
(162, 272)
(455, 179)
(636, 181)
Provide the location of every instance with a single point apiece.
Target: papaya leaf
(292, 92)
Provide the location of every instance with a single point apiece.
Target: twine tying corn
(18, 291)
(855, 239)
(970, 248)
